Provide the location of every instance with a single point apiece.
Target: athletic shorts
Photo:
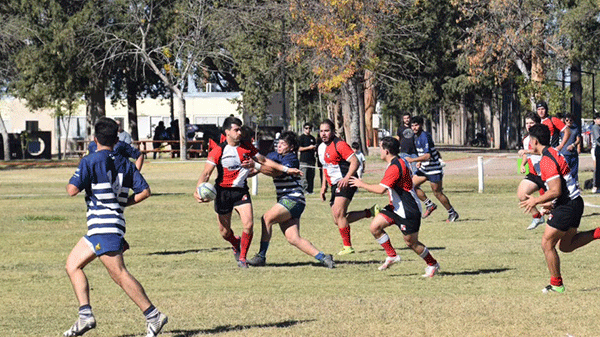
(346, 192)
(407, 226)
(228, 198)
(534, 178)
(567, 216)
(434, 178)
(101, 244)
(296, 208)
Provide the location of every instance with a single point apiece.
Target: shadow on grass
(192, 251)
(229, 328)
(476, 272)
(169, 193)
(588, 215)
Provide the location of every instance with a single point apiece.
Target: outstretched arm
(378, 189)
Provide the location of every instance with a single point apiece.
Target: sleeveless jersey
(228, 160)
(106, 180)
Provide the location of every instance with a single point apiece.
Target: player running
(290, 204)
(339, 164)
(404, 209)
(563, 198)
(429, 168)
(233, 160)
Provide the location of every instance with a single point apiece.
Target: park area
(492, 268)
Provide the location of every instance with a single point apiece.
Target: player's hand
(323, 196)
(523, 170)
(528, 204)
(355, 182)
(521, 153)
(295, 172)
(248, 164)
(418, 164)
(343, 182)
(198, 198)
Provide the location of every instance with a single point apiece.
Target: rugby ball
(207, 191)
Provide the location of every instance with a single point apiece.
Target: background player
(563, 197)
(233, 160)
(290, 204)
(339, 164)
(403, 211)
(123, 149)
(429, 168)
(107, 180)
(532, 182)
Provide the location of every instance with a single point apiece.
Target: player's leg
(247, 217)
(79, 257)
(115, 265)
(412, 241)
(418, 179)
(377, 228)
(528, 187)
(276, 214)
(291, 230)
(339, 211)
(438, 191)
(226, 232)
(549, 241)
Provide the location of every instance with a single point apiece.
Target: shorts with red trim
(228, 198)
(409, 225)
(567, 215)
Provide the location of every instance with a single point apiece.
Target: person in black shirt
(406, 136)
(307, 149)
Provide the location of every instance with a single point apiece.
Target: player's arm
(354, 165)
(139, 197)
(424, 157)
(139, 162)
(204, 176)
(263, 161)
(376, 188)
(566, 135)
(72, 190)
(552, 193)
(323, 185)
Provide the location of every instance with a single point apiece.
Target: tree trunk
(132, 107)
(361, 118)
(345, 104)
(352, 86)
(576, 91)
(370, 103)
(95, 103)
(182, 133)
(488, 124)
(5, 140)
(462, 112)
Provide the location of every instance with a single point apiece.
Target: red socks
(245, 244)
(556, 281)
(345, 233)
(597, 233)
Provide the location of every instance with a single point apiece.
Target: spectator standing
(362, 161)
(160, 134)
(307, 148)
(124, 136)
(406, 137)
(569, 151)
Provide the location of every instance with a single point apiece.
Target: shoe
(390, 260)
(242, 264)
(153, 328)
(81, 326)
(554, 289)
(375, 209)
(594, 189)
(430, 271)
(452, 217)
(328, 262)
(429, 210)
(536, 222)
(347, 250)
(257, 261)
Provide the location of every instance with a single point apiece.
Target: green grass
(492, 274)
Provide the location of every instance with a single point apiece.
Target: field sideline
(492, 269)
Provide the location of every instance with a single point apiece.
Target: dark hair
(229, 121)
(247, 134)
(330, 123)
(355, 145)
(541, 133)
(308, 124)
(291, 139)
(391, 144)
(542, 104)
(534, 117)
(406, 114)
(417, 120)
(570, 116)
(596, 116)
(106, 131)
(560, 115)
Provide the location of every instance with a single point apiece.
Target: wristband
(285, 169)
(257, 166)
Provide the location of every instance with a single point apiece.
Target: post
(480, 172)
(255, 178)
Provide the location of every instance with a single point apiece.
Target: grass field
(490, 283)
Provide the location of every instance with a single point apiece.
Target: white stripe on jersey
(108, 221)
(102, 186)
(105, 230)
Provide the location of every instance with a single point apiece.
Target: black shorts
(346, 192)
(567, 216)
(228, 198)
(409, 225)
(534, 178)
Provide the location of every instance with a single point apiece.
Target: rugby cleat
(452, 217)
(257, 261)
(554, 289)
(429, 210)
(347, 250)
(430, 271)
(390, 260)
(81, 326)
(328, 261)
(536, 222)
(153, 328)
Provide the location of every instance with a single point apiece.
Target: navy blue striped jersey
(424, 144)
(285, 184)
(121, 148)
(107, 180)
